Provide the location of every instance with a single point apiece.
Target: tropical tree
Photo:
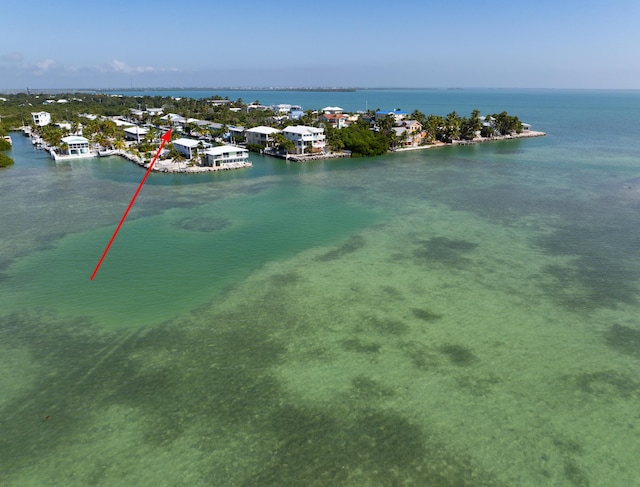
(334, 141)
(470, 126)
(119, 144)
(51, 135)
(101, 139)
(281, 143)
(506, 124)
(385, 123)
(151, 135)
(434, 127)
(419, 116)
(5, 160)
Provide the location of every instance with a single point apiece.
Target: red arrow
(165, 138)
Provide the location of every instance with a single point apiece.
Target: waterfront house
(409, 133)
(260, 135)
(306, 139)
(77, 146)
(41, 118)
(135, 133)
(189, 147)
(226, 156)
(236, 134)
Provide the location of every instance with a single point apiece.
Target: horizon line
(290, 88)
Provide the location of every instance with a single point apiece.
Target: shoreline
(169, 166)
(478, 140)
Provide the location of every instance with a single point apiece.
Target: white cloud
(118, 66)
(44, 66)
(11, 58)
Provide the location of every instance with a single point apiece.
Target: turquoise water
(459, 316)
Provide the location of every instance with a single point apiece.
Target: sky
(66, 44)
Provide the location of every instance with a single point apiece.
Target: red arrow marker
(165, 138)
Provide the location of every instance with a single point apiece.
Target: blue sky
(347, 43)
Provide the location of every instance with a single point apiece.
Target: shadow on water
(444, 250)
(208, 380)
(354, 243)
(596, 225)
(604, 272)
(203, 223)
(624, 339)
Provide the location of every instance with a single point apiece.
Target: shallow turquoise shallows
(453, 316)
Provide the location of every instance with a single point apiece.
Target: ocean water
(454, 316)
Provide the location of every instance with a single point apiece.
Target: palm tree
(199, 148)
(151, 135)
(119, 144)
(100, 139)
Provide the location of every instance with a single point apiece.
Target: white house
(174, 118)
(236, 134)
(77, 146)
(135, 133)
(306, 139)
(260, 135)
(332, 110)
(188, 147)
(41, 118)
(226, 156)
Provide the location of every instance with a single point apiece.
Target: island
(216, 134)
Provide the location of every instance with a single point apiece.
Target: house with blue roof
(398, 115)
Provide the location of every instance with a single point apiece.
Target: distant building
(336, 120)
(41, 118)
(296, 114)
(174, 118)
(306, 139)
(136, 112)
(226, 156)
(398, 115)
(332, 110)
(260, 135)
(217, 103)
